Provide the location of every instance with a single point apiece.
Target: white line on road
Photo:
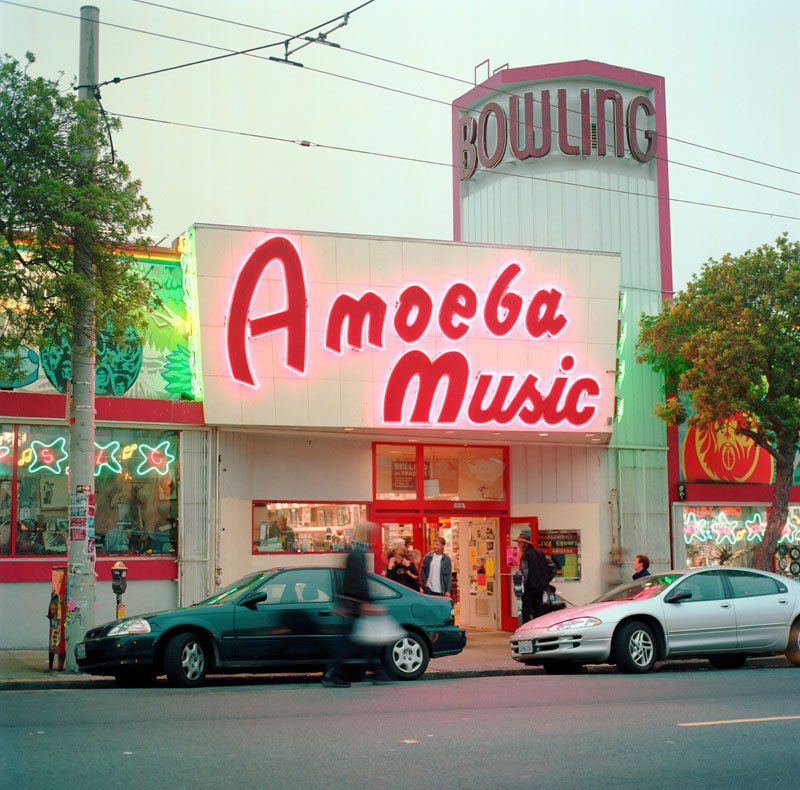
(733, 721)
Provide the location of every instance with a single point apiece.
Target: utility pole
(80, 574)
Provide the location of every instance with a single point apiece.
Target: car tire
(634, 648)
(552, 666)
(728, 661)
(793, 650)
(407, 658)
(135, 678)
(186, 660)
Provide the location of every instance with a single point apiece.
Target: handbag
(374, 630)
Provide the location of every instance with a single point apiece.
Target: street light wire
(251, 52)
(432, 73)
(418, 160)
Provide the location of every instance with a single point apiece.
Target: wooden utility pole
(80, 575)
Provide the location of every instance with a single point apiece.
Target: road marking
(734, 721)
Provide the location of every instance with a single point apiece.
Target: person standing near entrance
(437, 571)
(536, 576)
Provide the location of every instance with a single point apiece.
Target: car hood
(156, 618)
(607, 611)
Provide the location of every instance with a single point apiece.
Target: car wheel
(407, 658)
(185, 660)
(728, 661)
(634, 648)
(554, 667)
(135, 678)
(793, 650)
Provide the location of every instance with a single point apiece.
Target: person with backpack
(537, 573)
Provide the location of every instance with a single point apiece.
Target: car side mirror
(253, 599)
(679, 595)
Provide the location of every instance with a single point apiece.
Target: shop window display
(304, 527)
(730, 534)
(136, 506)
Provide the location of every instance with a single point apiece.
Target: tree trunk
(779, 511)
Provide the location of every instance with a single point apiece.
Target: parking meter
(119, 583)
(119, 577)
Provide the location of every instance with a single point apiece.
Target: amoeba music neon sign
(441, 388)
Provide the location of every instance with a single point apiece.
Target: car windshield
(646, 587)
(232, 590)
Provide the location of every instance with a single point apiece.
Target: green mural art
(159, 364)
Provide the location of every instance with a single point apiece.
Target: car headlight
(135, 626)
(577, 622)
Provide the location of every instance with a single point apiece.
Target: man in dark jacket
(536, 575)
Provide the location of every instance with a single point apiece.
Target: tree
(50, 198)
(68, 212)
(729, 344)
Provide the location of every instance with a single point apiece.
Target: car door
(703, 623)
(763, 608)
(296, 622)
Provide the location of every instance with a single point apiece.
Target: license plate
(525, 646)
(80, 650)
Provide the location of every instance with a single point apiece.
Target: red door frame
(508, 616)
(417, 533)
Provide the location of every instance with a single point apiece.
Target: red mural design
(720, 454)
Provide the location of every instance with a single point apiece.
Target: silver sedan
(724, 614)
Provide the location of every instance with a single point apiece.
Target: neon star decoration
(156, 459)
(5, 452)
(724, 530)
(105, 458)
(755, 529)
(694, 530)
(48, 457)
(790, 533)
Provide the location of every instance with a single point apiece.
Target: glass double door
(473, 545)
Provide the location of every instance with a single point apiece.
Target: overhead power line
(284, 42)
(449, 165)
(452, 78)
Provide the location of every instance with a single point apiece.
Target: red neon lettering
(452, 365)
(369, 306)
(488, 161)
(498, 302)
(543, 316)
(643, 103)
(293, 319)
(155, 458)
(413, 315)
(468, 155)
(46, 456)
(460, 301)
(529, 148)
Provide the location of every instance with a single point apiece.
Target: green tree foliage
(50, 197)
(730, 344)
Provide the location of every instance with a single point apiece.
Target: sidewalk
(487, 653)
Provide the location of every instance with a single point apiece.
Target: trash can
(57, 615)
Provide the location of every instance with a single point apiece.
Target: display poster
(564, 546)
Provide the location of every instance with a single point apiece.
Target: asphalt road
(669, 729)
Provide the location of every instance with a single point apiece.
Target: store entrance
(473, 544)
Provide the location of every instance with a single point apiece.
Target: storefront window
(730, 534)
(42, 492)
(464, 473)
(6, 470)
(395, 472)
(304, 527)
(136, 505)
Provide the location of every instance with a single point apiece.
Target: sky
(730, 68)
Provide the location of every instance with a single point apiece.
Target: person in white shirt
(437, 571)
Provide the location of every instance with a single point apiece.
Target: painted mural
(162, 363)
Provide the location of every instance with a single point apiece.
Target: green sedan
(278, 620)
